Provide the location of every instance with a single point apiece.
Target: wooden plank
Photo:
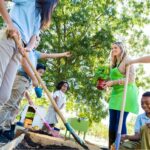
(14, 143)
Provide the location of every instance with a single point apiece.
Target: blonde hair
(122, 56)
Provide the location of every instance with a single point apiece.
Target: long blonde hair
(122, 57)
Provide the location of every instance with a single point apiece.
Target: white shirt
(61, 98)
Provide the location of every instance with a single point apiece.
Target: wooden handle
(124, 99)
(19, 45)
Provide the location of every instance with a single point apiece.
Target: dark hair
(60, 84)
(47, 8)
(40, 66)
(146, 94)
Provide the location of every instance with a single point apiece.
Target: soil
(29, 145)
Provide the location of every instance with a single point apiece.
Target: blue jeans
(114, 121)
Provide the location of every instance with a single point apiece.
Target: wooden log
(45, 140)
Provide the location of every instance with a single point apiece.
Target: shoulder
(56, 93)
(140, 116)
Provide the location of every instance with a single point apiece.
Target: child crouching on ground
(141, 138)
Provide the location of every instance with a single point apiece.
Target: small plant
(101, 75)
(102, 72)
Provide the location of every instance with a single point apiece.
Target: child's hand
(124, 137)
(13, 33)
(11, 29)
(30, 102)
(28, 49)
(148, 125)
(67, 54)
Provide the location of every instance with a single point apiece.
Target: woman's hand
(108, 84)
(30, 102)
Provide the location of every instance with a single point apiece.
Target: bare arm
(29, 72)
(28, 98)
(145, 59)
(134, 137)
(6, 17)
(4, 12)
(56, 55)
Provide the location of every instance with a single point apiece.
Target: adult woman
(119, 60)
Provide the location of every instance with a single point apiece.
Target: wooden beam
(45, 140)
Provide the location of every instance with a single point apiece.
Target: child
(60, 99)
(27, 18)
(141, 138)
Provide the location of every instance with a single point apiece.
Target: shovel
(115, 146)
